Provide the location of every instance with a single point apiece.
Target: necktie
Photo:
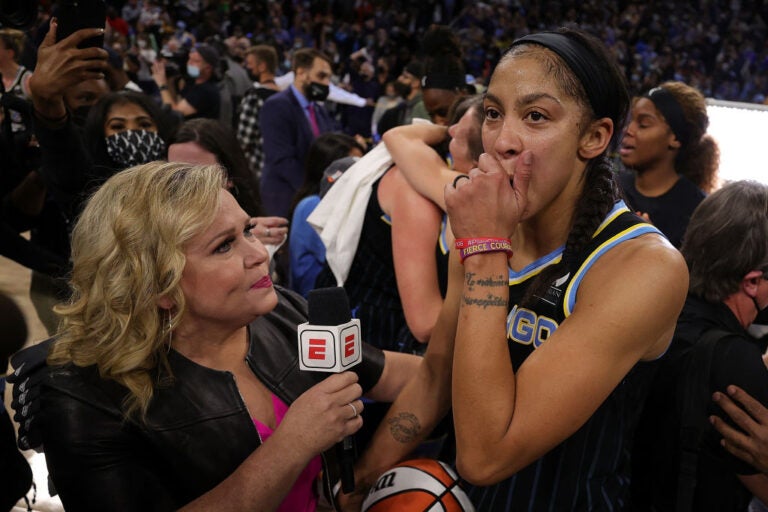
(313, 120)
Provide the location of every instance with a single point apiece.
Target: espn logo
(329, 348)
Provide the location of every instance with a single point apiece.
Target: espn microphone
(330, 342)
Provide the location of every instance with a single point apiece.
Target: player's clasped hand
(489, 203)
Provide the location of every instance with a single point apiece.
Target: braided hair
(599, 88)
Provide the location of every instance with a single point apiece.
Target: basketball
(418, 484)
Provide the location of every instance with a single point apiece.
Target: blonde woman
(173, 382)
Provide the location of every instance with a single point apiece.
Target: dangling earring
(170, 332)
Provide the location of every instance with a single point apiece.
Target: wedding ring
(267, 232)
(354, 410)
(457, 178)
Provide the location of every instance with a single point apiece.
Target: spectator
(261, 62)
(207, 141)
(357, 120)
(728, 289)
(408, 87)
(131, 11)
(306, 250)
(444, 77)
(15, 76)
(66, 83)
(200, 98)
(116, 76)
(386, 101)
(233, 84)
(18, 474)
(290, 120)
(672, 161)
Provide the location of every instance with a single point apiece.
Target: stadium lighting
(741, 132)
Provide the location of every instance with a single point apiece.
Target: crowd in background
(681, 52)
(719, 47)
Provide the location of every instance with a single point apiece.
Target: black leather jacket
(197, 429)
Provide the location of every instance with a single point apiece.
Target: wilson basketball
(418, 484)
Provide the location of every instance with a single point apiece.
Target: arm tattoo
(484, 283)
(489, 282)
(489, 300)
(404, 427)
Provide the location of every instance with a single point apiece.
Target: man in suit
(290, 120)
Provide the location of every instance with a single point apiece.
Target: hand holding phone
(62, 64)
(74, 15)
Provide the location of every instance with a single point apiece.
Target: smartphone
(74, 15)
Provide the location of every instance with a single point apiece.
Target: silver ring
(267, 232)
(457, 178)
(354, 410)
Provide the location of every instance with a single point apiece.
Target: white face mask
(193, 71)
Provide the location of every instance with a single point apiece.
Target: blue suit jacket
(287, 137)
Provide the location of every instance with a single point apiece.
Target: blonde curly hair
(128, 252)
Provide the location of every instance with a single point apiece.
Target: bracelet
(470, 246)
(163, 87)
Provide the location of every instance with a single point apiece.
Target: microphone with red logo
(330, 342)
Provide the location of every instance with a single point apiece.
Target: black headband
(581, 61)
(447, 81)
(670, 108)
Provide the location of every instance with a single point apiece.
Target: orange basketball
(418, 484)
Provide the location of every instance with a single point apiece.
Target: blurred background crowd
(719, 47)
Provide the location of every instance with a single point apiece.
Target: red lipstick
(264, 282)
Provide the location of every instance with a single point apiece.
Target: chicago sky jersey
(590, 469)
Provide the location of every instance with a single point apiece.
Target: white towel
(338, 218)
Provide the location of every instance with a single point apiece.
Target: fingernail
(712, 420)
(731, 390)
(716, 396)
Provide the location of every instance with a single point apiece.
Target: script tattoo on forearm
(484, 283)
(489, 282)
(404, 427)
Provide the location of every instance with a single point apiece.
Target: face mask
(134, 147)
(80, 114)
(317, 92)
(762, 313)
(403, 90)
(193, 71)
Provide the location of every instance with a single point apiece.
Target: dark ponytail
(597, 198)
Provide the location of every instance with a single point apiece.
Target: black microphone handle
(330, 306)
(347, 464)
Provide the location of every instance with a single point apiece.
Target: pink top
(301, 497)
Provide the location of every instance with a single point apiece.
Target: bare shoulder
(643, 282)
(644, 257)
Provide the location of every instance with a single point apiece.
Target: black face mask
(762, 314)
(80, 114)
(317, 92)
(402, 90)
